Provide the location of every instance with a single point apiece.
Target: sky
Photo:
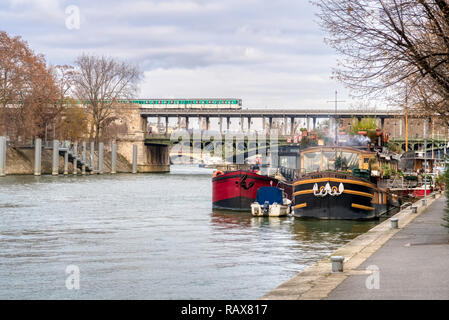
(269, 53)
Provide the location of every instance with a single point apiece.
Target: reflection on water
(148, 237)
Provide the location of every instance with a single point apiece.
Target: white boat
(270, 203)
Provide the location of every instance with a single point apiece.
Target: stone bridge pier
(150, 158)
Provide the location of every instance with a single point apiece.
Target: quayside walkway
(413, 264)
(389, 263)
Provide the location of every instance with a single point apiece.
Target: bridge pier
(166, 125)
(292, 126)
(150, 157)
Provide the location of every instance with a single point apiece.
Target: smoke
(358, 140)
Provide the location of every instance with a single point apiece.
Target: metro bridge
(270, 114)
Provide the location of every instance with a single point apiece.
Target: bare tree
(392, 47)
(100, 82)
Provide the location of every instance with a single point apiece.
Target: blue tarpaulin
(270, 194)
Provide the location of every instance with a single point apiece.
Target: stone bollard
(37, 157)
(114, 159)
(55, 162)
(66, 162)
(100, 157)
(92, 158)
(134, 159)
(394, 223)
(424, 202)
(83, 157)
(337, 263)
(75, 158)
(414, 209)
(3, 148)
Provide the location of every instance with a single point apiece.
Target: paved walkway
(413, 264)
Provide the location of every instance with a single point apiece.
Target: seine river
(149, 236)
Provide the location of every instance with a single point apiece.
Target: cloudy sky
(270, 53)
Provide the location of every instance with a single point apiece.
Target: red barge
(236, 190)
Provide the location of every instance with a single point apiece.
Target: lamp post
(425, 161)
(336, 125)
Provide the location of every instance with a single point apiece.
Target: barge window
(328, 161)
(312, 161)
(352, 159)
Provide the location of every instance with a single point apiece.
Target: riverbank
(20, 161)
(380, 252)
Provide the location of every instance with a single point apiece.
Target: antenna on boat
(336, 125)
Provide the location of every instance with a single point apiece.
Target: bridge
(190, 146)
(270, 114)
(154, 149)
(275, 113)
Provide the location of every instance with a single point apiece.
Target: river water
(149, 236)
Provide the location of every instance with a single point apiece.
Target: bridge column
(187, 123)
(228, 120)
(382, 123)
(207, 123)
(284, 127)
(220, 120)
(263, 123)
(270, 123)
(314, 123)
(166, 125)
(307, 123)
(292, 125)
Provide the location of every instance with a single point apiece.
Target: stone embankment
(21, 161)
